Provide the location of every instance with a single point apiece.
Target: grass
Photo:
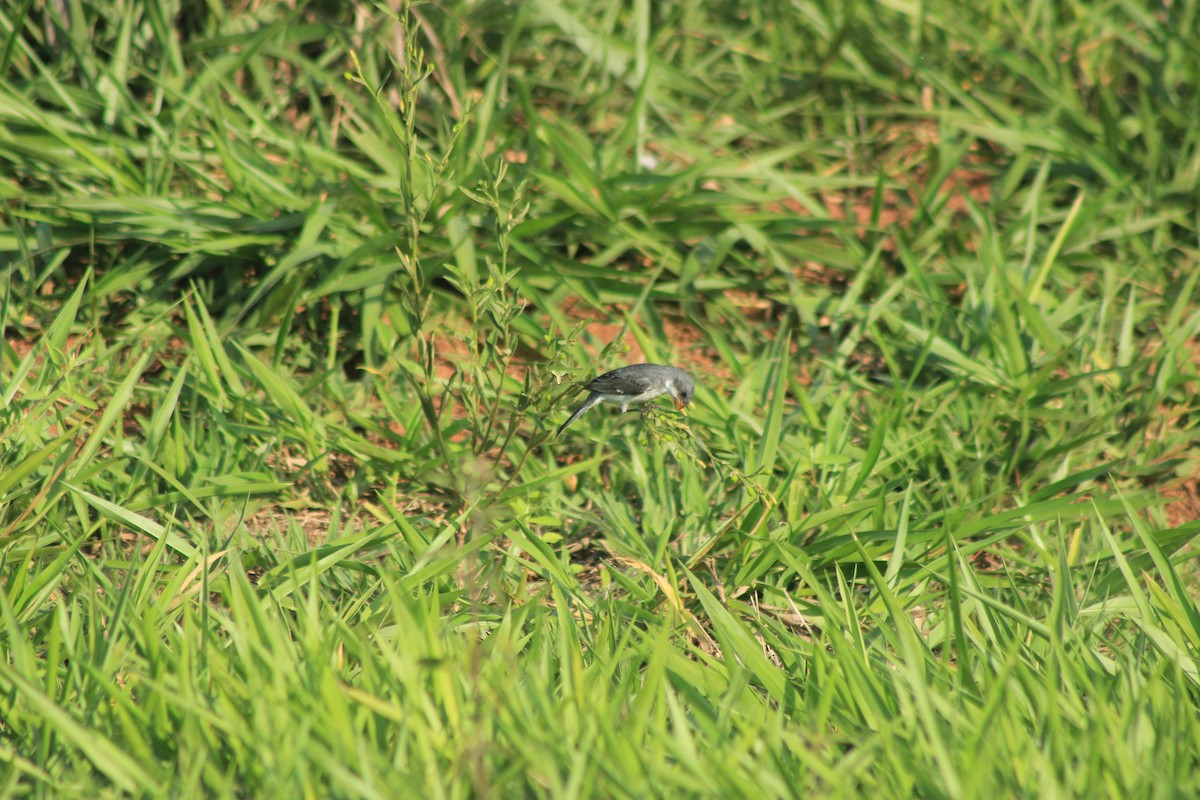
(294, 299)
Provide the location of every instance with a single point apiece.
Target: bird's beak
(680, 405)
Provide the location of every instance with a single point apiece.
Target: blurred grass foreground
(295, 294)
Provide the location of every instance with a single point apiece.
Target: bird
(636, 383)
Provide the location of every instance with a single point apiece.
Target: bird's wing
(621, 382)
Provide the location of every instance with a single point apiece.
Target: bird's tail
(592, 400)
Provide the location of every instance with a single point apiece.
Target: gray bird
(636, 383)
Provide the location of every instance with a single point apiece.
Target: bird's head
(682, 389)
